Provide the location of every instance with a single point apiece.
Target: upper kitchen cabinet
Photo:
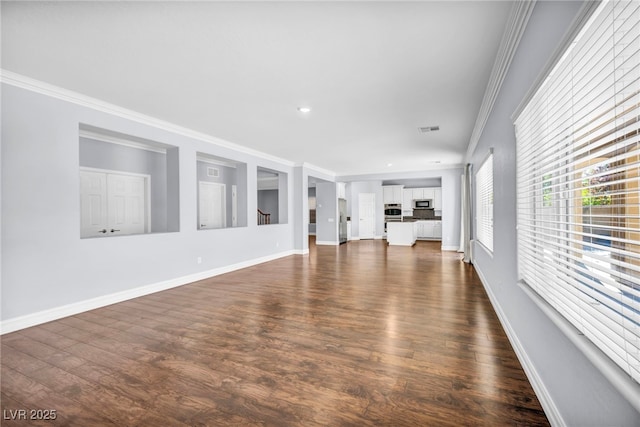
(423, 193)
(407, 201)
(430, 193)
(392, 194)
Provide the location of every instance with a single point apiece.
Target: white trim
(114, 171)
(315, 168)
(520, 13)
(326, 243)
(377, 176)
(37, 86)
(200, 157)
(549, 406)
(120, 141)
(26, 321)
(450, 248)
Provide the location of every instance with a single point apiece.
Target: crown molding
(311, 167)
(517, 23)
(120, 141)
(37, 86)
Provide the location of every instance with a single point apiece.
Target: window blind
(578, 176)
(484, 203)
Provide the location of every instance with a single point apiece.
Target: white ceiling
(372, 72)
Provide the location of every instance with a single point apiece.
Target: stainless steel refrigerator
(342, 225)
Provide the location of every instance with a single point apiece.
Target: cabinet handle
(112, 230)
(102, 231)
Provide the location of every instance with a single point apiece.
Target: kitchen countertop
(414, 219)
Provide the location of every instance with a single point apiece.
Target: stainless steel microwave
(422, 204)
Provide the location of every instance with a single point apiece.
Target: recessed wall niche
(128, 185)
(272, 197)
(222, 192)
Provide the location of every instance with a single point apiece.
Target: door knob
(112, 230)
(102, 231)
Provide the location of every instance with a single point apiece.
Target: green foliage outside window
(547, 201)
(596, 187)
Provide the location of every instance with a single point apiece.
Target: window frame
(578, 152)
(485, 203)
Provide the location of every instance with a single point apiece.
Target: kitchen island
(401, 233)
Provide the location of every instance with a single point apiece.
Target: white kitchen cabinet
(429, 229)
(437, 229)
(428, 193)
(424, 229)
(437, 199)
(387, 194)
(418, 193)
(407, 201)
(392, 194)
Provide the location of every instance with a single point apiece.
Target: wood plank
(362, 334)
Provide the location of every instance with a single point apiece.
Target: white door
(112, 204)
(93, 204)
(126, 204)
(213, 208)
(367, 212)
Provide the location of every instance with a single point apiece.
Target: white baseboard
(327, 243)
(449, 248)
(26, 321)
(550, 408)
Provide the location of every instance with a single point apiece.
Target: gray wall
(581, 395)
(268, 203)
(45, 264)
(326, 212)
(103, 155)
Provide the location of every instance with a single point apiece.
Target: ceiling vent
(429, 129)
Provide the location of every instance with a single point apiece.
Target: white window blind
(484, 203)
(578, 175)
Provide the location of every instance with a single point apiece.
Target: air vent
(429, 129)
(213, 172)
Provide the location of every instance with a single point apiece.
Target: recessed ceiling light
(304, 109)
(389, 165)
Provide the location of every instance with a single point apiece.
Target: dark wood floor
(356, 335)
